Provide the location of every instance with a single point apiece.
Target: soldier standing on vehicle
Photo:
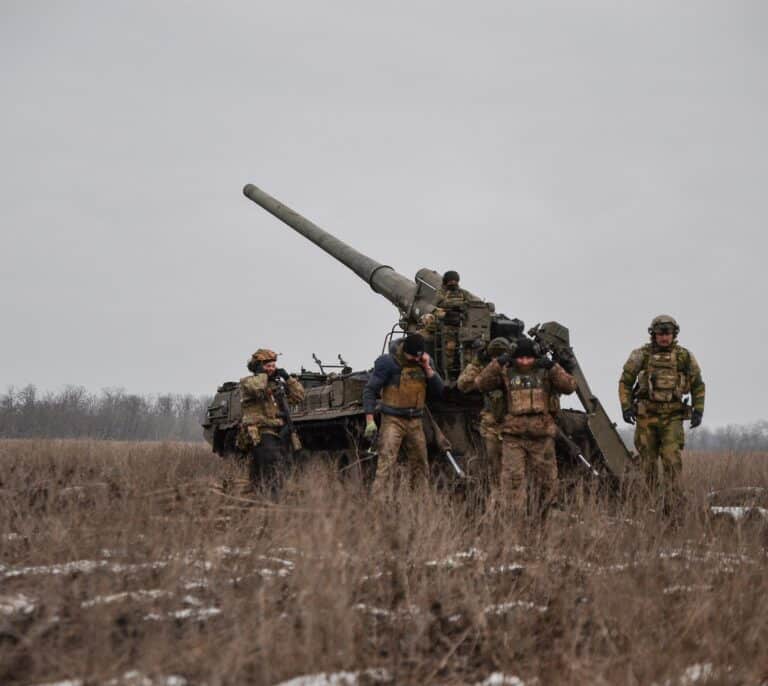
(450, 307)
(652, 389)
(263, 396)
(404, 378)
(494, 409)
(529, 380)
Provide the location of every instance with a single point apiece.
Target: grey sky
(595, 163)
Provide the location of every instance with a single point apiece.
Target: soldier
(263, 401)
(450, 305)
(652, 387)
(528, 430)
(494, 408)
(405, 378)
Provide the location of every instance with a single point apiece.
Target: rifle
(576, 452)
(285, 412)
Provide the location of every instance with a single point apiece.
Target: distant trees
(736, 438)
(112, 414)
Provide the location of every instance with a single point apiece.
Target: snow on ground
(130, 678)
(17, 604)
(504, 608)
(739, 513)
(501, 679)
(458, 559)
(138, 596)
(367, 676)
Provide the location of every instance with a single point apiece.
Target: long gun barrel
(395, 287)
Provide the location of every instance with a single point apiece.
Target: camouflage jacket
(646, 364)
(258, 397)
(494, 402)
(536, 420)
(448, 301)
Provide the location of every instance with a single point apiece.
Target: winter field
(148, 563)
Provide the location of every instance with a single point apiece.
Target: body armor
(661, 380)
(528, 392)
(411, 390)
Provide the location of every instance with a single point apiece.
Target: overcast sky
(594, 163)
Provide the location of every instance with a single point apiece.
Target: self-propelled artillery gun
(330, 420)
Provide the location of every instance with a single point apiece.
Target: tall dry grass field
(144, 564)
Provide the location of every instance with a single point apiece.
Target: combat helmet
(260, 358)
(664, 322)
(498, 346)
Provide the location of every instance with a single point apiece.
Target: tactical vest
(452, 300)
(528, 392)
(661, 380)
(410, 391)
(258, 402)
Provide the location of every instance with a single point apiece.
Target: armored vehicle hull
(330, 420)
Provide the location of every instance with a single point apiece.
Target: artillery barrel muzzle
(395, 287)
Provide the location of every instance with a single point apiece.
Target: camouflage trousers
(661, 437)
(452, 364)
(528, 469)
(394, 433)
(487, 468)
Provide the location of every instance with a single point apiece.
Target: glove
(282, 374)
(696, 417)
(545, 363)
(567, 362)
(504, 359)
(370, 431)
(629, 415)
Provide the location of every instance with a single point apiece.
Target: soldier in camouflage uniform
(450, 305)
(264, 418)
(404, 378)
(494, 409)
(652, 389)
(529, 380)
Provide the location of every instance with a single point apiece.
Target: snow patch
(700, 588)
(81, 566)
(458, 559)
(739, 513)
(139, 596)
(18, 604)
(504, 608)
(501, 679)
(200, 613)
(381, 613)
(340, 678)
(136, 678)
(695, 674)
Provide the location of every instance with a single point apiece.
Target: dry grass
(109, 566)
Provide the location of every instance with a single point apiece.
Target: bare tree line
(111, 414)
(733, 438)
(116, 414)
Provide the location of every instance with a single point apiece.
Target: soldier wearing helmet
(529, 380)
(264, 416)
(653, 390)
(494, 409)
(450, 309)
